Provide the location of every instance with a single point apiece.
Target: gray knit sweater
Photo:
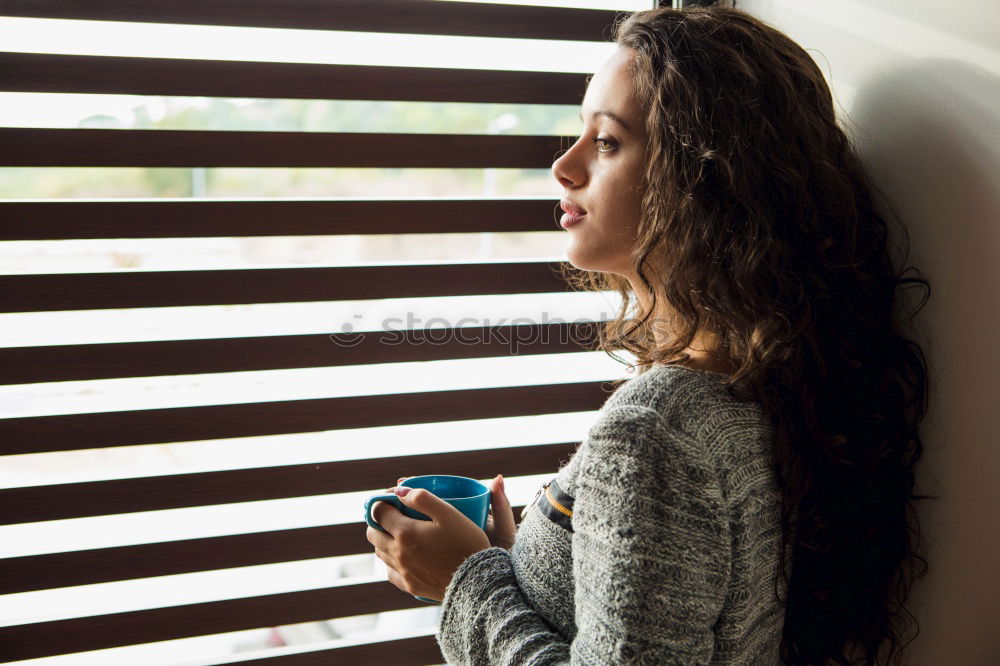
(658, 542)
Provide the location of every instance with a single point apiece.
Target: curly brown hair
(759, 227)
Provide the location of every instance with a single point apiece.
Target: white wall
(920, 81)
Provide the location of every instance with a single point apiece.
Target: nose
(569, 170)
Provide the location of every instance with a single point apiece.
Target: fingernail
(401, 490)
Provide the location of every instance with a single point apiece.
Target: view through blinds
(248, 281)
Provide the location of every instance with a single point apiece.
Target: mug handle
(392, 499)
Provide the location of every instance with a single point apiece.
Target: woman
(746, 498)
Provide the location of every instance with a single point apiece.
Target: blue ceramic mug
(467, 495)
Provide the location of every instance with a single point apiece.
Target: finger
(397, 579)
(503, 515)
(377, 538)
(388, 516)
(387, 559)
(498, 494)
(384, 547)
(432, 506)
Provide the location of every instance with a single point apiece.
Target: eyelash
(608, 141)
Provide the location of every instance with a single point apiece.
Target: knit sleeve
(651, 561)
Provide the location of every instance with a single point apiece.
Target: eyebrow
(608, 114)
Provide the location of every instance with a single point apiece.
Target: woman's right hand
(500, 526)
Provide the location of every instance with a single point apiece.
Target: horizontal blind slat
(67, 432)
(25, 365)
(44, 639)
(181, 148)
(105, 565)
(392, 16)
(175, 491)
(70, 219)
(146, 289)
(415, 651)
(33, 147)
(32, 72)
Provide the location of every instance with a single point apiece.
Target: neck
(701, 349)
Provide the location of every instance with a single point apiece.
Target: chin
(594, 256)
(590, 263)
(581, 261)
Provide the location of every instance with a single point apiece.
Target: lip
(573, 213)
(569, 219)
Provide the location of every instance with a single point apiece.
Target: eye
(608, 144)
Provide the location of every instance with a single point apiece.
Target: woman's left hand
(422, 555)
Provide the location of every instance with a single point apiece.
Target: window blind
(50, 220)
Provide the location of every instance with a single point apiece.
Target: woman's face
(602, 172)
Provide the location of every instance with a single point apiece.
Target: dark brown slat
(149, 289)
(72, 219)
(30, 72)
(401, 16)
(105, 565)
(44, 639)
(67, 432)
(415, 651)
(56, 363)
(210, 148)
(175, 491)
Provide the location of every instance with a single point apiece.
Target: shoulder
(672, 412)
(653, 419)
(631, 454)
(690, 401)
